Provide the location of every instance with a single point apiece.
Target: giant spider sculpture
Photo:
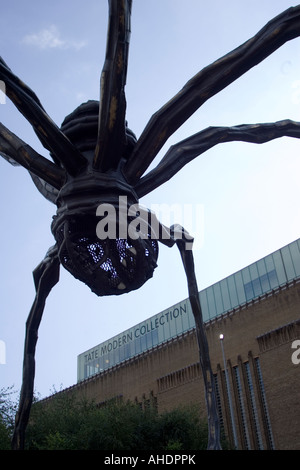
(96, 159)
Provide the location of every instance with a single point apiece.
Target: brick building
(256, 364)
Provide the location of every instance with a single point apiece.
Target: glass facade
(147, 334)
(237, 289)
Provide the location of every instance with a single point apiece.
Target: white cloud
(49, 38)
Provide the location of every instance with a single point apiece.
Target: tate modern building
(252, 321)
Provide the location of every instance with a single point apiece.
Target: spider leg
(46, 275)
(185, 151)
(184, 242)
(47, 131)
(111, 132)
(15, 150)
(208, 82)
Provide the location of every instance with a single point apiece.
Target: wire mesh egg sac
(109, 266)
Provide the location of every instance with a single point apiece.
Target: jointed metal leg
(184, 245)
(213, 419)
(46, 275)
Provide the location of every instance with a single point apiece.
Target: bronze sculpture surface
(111, 162)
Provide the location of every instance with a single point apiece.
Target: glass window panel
(172, 324)
(295, 252)
(240, 288)
(137, 344)
(122, 353)
(265, 284)
(143, 343)
(269, 263)
(188, 317)
(298, 244)
(261, 267)
(232, 291)
(155, 337)
(225, 295)
(101, 363)
(116, 355)
(262, 272)
(126, 351)
(177, 318)
(191, 320)
(247, 283)
(249, 291)
(166, 326)
(257, 287)
(279, 266)
(218, 298)
(107, 361)
(273, 279)
(161, 331)
(185, 318)
(148, 340)
(132, 348)
(288, 263)
(211, 302)
(113, 359)
(204, 305)
(246, 275)
(253, 271)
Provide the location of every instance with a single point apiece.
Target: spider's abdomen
(109, 266)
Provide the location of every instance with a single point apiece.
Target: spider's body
(97, 159)
(110, 266)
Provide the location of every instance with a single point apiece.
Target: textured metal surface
(110, 266)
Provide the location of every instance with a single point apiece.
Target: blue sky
(249, 194)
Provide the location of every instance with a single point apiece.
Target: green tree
(5, 436)
(182, 429)
(7, 412)
(66, 422)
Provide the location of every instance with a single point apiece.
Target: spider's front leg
(184, 242)
(46, 275)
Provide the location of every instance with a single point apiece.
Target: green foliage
(66, 422)
(182, 429)
(5, 437)
(7, 412)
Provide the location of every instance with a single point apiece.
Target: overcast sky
(247, 195)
